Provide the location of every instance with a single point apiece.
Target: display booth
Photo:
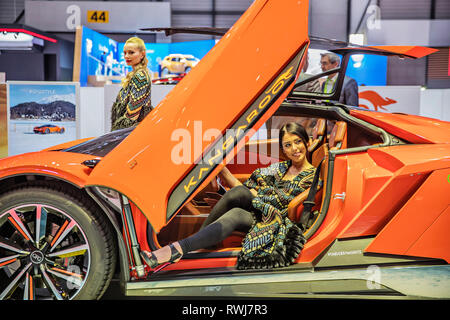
(86, 111)
(3, 122)
(99, 60)
(37, 115)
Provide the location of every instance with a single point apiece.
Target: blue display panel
(368, 69)
(99, 56)
(102, 56)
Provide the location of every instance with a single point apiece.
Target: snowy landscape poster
(41, 115)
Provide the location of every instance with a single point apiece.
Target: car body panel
(412, 128)
(409, 51)
(124, 170)
(375, 185)
(384, 210)
(66, 145)
(427, 221)
(390, 282)
(62, 165)
(403, 51)
(413, 164)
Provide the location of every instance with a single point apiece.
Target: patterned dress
(133, 102)
(274, 240)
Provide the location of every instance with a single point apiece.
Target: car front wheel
(165, 72)
(54, 244)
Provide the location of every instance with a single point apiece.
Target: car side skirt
(373, 282)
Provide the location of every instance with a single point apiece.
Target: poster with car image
(41, 115)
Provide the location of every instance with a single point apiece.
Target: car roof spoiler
(343, 47)
(194, 30)
(413, 52)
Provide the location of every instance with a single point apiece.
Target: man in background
(349, 91)
(312, 86)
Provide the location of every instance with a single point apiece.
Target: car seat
(318, 135)
(337, 140)
(338, 136)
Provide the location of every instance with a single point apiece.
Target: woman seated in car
(257, 207)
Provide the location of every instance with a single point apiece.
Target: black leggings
(231, 212)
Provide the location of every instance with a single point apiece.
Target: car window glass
(318, 61)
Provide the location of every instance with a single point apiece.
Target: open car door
(237, 86)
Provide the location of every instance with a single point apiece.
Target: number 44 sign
(95, 16)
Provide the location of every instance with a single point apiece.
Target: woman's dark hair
(298, 130)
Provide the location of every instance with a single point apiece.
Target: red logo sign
(377, 101)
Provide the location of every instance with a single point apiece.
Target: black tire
(165, 72)
(187, 69)
(90, 231)
(62, 130)
(47, 131)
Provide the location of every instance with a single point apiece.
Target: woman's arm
(231, 181)
(139, 94)
(227, 177)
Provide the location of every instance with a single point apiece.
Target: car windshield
(314, 77)
(102, 145)
(331, 64)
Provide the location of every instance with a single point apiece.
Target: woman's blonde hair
(141, 65)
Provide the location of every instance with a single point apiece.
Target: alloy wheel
(44, 254)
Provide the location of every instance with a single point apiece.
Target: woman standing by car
(133, 102)
(257, 207)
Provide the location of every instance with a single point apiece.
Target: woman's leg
(234, 219)
(231, 212)
(237, 197)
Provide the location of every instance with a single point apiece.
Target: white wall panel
(92, 123)
(122, 16)
(110, 92)
(435, 103)
(410, 32)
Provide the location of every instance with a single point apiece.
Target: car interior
(261, 150)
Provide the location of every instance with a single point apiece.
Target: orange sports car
(49, 128)
(378, 224)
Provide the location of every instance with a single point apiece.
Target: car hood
(237, 85)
